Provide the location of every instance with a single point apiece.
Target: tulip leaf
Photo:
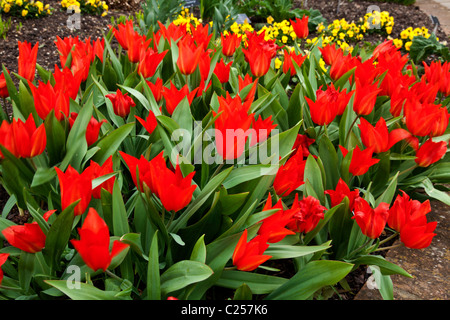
(182, 274)
(329, 157)
(389, 193)
(312, 277)
(110, 144)
(246, 173)
(313, 174)
(84, 291)
(383, 282)
(243, 292)
(257, 283)
(26, 269)
(288, 251)
(199, 250)
(153, 273)
(385, 267)
(119, 212)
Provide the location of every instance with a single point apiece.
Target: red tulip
(289, 66)
(274, 226)
(244, 82)
(124, 33)
(262, 128)
(257, 41)
(418, 236)
(204, 65)
(28, 237)
(81, 62)
(430, 152)
(343, 64)
(424, 92)
(99, 171)
(290, 175)
(201, 36)
(3, 258)
(64, 47)
(99, 48)
(149, 123)
(365, 97)
(3, 88)
(342, 190)
(259, 60)
(92, 130)
(122, 103)
(301, 144)
(7, 138)
(75, 186)
(361, 160)
(222, 71)
(301, 27)
(229, 44)
(94, 242)
(156, 89)
(65, 80)
(149, 62)
(425, 119)
(188, 56)
(330, 53)
(371, 221)
(405, 210)
(322, 112)
(308, 216)
(248, 256)
(172, 32)
(27, 60)
(231, 126)
(46, 99)
(173, 96)
(439, 73)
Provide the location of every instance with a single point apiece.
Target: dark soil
(44, 31)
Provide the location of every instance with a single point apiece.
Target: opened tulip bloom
(48, 99)
(122, 103)
(301, 27)
(418, 235)
(430, 152)
(289, 58)
(94, 243)
(361, 160)
(149, 123)
(263, 128)
(308, 216)
(173, 96)
(101, 170)
(28, 237)
(290, 175)
(248, 256)
(341, 191)
(149, 62)
(156, 88)
(27, 60)
(75, 186)
(371, 221)
(222, 71)
(404, 210)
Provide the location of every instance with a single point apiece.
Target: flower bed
(181, 164)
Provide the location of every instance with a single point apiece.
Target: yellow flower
(408, 45)
(398, 43)
(7, 8)
(389, 30)
(24, 13)
(278, 63)
(404, 34)
(284, 39)
(269, 20)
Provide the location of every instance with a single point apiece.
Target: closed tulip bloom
(75, 186)
(94, 242)
(290, 175)
(259, 60)
(123, 33)
(29, 141)
(288, 64)
(301, 27)
(173, 96)
(330, 52)
(342, 64)
(262, 128)
(430, 152)
(418, 236)
(64, 47)
(405, 210)
(341, 191)
(222, 71)
(99, 171)
(92, 129)
(149, 62)
(365, 97)
(361, 160)
(322, 112)
(245, 82)
(46, 99)
(28, 237)
(371, 221)
(149, 123)
(248, 256)
(65, 80)
(3, 88)
(138, 46)
(188, 56)
(3, 258)
(122, 103)
(27, 60)
(229, 44)
(308, 216)
(156, 89)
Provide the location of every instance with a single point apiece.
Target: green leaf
(153, 275)
(314, 276)
(313, 174)
(119, 212)
(182, 274)
(243, 292)
(85, 291)
(288, 251)
(199, 250)
(246, 173)
(384, 283)
(26, 269)
(257, 283)
(389, 193)
(385, 267)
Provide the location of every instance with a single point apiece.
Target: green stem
(360, 248)
(390, 247)
(172, 216)
(392, 236)
(10, 288)
(113, 275)
(350, 131)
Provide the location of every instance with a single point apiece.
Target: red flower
(92, 130)
(288, 65)
(322, 112)
(365, 97)
(188, 55)
(3, 88)
(438, 73)
(342, 64)
(301, 27)
(137, 47)
(149, 123)
(342, 190)
(418, 236)
(65, 80)
(99, 171)
(371, 221)
(262, 129)
(201, 36)
(290, 175)
(75, 186)
(173, 96)
(308, 216)
(3, 258)
(172, 32)
(405, 210)
(379, 138)
(46, 99)
(274, 226)
(430, 152)
(222, 71)
(425, 119)
(122, 103)
(27, 237)
(301, 144)
(330, 53)
(231, 126)
(27, 60)
(229, 44)
(123, 33)
(149, 62)
(245, 82)
(64, 47)
(258, 59)
(156, 89)
(248, 256)
(93, 245)
(361, 160)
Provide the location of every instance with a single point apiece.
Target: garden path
(439, 9)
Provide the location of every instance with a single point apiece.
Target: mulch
(45, 30)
